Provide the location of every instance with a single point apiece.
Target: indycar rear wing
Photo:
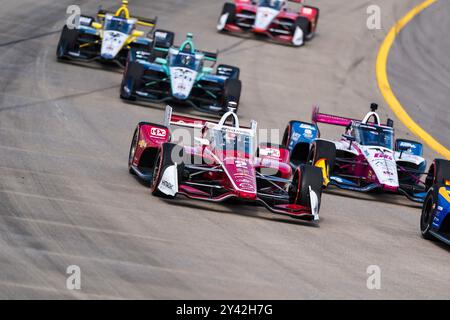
(145, 22)
(318, 117)
(194, 123)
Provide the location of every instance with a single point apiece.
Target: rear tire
(304, 177)
(231, 92)
(131, 80)
(229, 71)
(227, 16)
(321, 149)
(163, 39)
(67, 42)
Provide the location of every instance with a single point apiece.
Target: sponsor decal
(167, 184)
(142, 144)
(383, 156)
(270, 152)
(247, 187)
(158, 132)
(307, 126)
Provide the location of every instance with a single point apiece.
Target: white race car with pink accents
(366, 158)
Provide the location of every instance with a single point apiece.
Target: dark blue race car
(435, 219)
(179, 74)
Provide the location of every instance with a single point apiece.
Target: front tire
(132, 152)
(305, 176)
(131, 80)
(67, 42)
(231, 92)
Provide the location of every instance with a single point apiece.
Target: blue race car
(435, 219)
(179, 74)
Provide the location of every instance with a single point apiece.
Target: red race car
(271, 18)
(221, 164)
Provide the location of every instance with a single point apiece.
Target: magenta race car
(366, 158)
(222, 164)
(270, 18)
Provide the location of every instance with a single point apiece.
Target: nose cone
(182, 82)
(107, 56)
(180, 96)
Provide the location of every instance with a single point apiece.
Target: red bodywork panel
(287, 14)
(236, 174)
(151, 136)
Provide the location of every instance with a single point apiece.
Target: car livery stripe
(385, 87)
(445, 194)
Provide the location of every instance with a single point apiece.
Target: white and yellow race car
(109, 37)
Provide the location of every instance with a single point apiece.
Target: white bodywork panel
(264, 17)
(182, 81)
(406, 157)
(314, 204)
(298, 38)
(222, 21)
(169, 181)
(112, 43)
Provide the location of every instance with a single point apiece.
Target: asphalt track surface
(419, 70)
(66, 197)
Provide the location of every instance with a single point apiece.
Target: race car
(270, 18)
(366, 158)
(221, 163)
(435, 218)
(106, 38)
(179, 74)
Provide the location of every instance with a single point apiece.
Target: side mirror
(402, 149)
(137, 33)
(349, 138)
(96, 25)
(207, 70)
(161, 61)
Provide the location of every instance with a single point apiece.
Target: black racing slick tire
(131, 80)
(227, 16)
(305, 176)
(426, 217)
(163, 39)
(229, 71)
(439, 172)
(163, 160)
(67, 42)
(231, 92)
(133, 147)
(321, 149)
